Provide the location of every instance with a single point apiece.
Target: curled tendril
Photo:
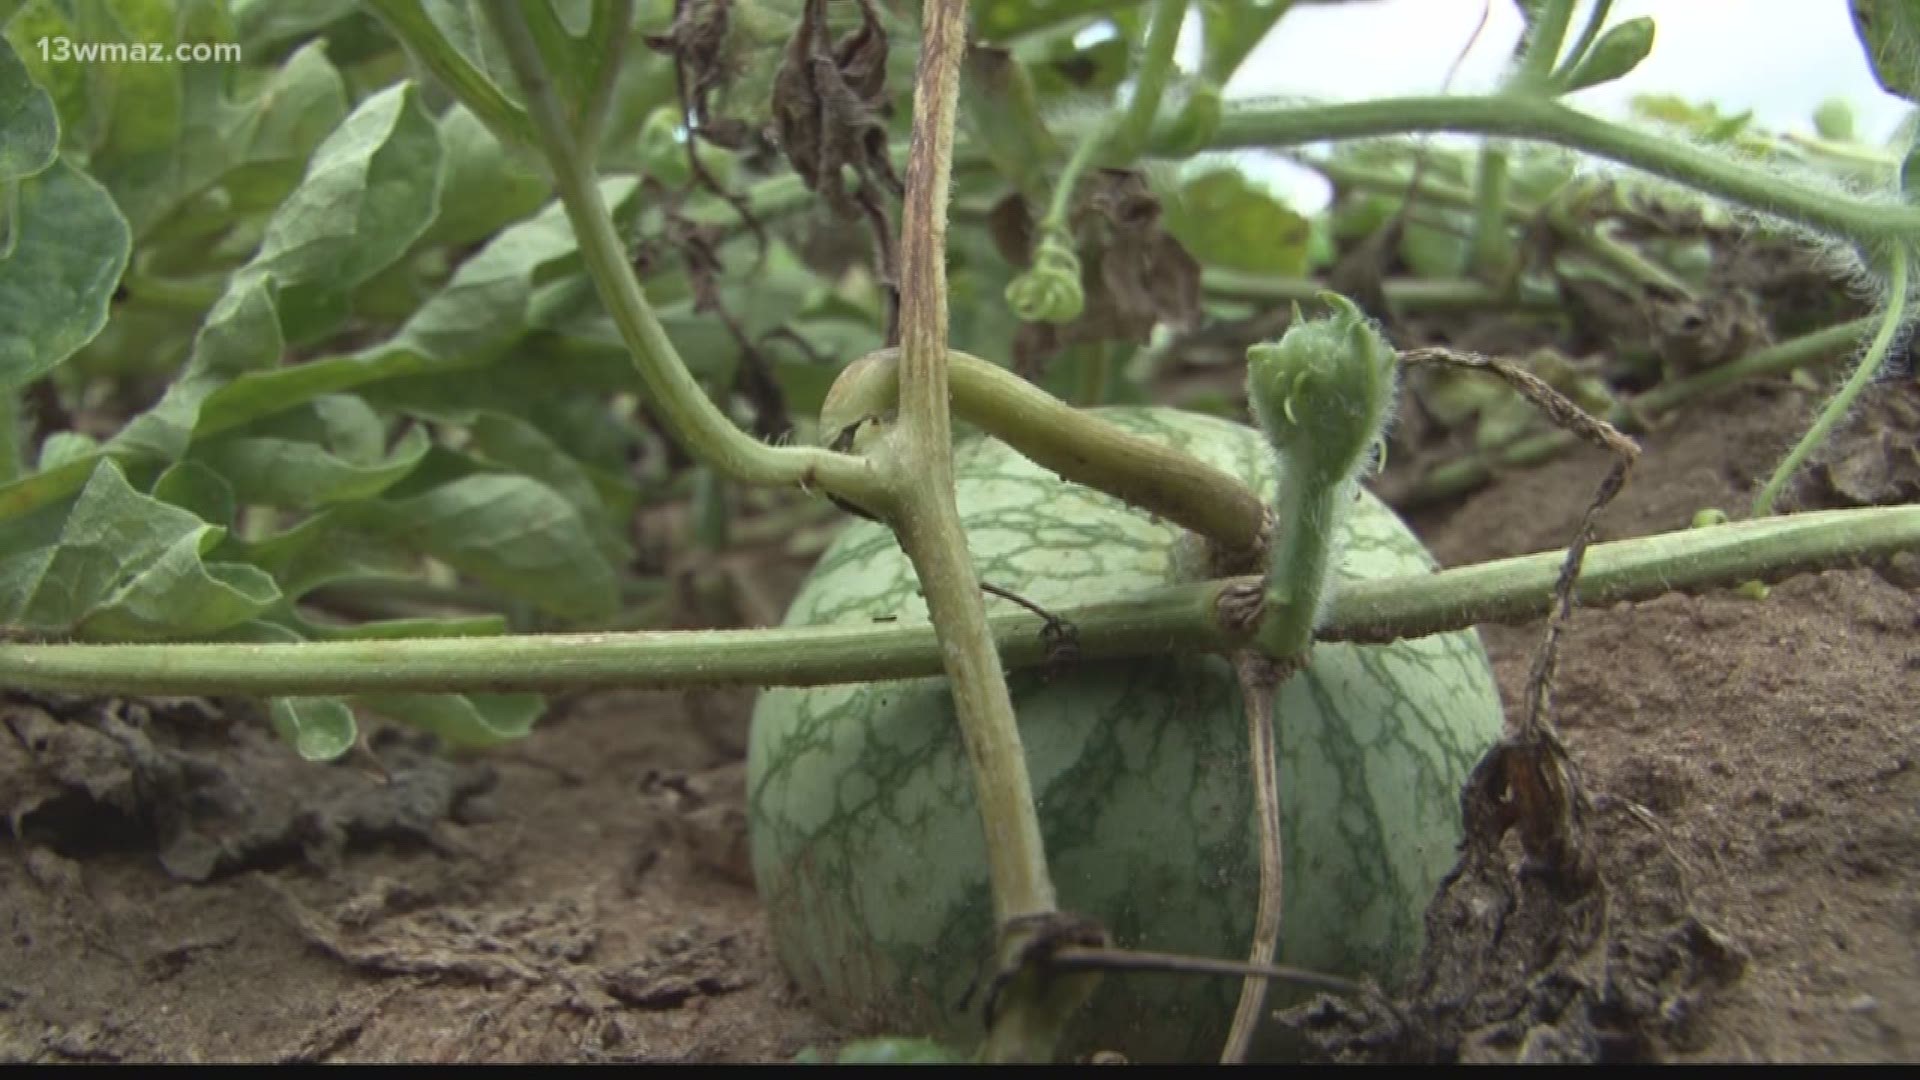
(1049, 291)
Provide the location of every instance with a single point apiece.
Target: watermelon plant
(336, 376)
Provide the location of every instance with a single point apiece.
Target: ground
(174, 885)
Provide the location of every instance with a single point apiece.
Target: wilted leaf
(67, 246)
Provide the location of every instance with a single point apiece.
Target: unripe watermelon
(867, 846)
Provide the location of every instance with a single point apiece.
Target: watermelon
(867, 847)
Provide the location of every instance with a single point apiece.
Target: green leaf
(1889, 31)
(1227, 221)
(1229, 31)
(241, 334)
(66, 83)
(487, 188)
(520, 446)
(318, 728)
(144, 103)
(277, 131)
(333, 545)
(313, 457)
(487, 303)
(62, 447)
(264, 23)
(118, 565)
(1618, 52)
(371, 189)
(29, 130)
(511, 532)
(465, 721)
(198, 490)
(68, 247)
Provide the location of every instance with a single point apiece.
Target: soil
(175, 885)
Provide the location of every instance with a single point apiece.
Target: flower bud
(1323, 393)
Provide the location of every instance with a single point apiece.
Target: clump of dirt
(210, 793)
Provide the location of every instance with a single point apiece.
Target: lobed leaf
(371, 189)
(66, 248)
(119, 565)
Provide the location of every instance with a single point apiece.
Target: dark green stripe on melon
(867, 845)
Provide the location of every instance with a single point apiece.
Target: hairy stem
(1891, 321)
(672, 390)
(1173, 619)
(1267, 126)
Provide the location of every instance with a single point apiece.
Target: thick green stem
(1074, 443)
(1891, 320)
(926, 518)
(1256, 126)
(1322, 395)
(1158, 622)
(675, 395)
(1150, 85)
(1488, 250)
(1300, 562)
